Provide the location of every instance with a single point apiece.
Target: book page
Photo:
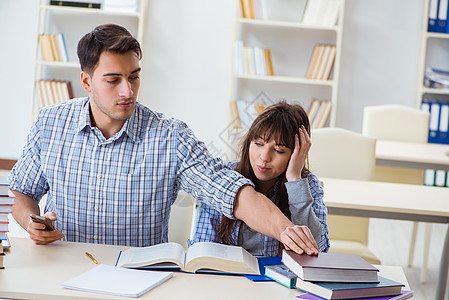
(143, 256)
(221, 257)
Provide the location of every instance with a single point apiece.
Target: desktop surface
(36, 272)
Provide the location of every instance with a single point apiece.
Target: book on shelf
(83, 4)
(351, 290)
(244, 113)
(436, 78)
(321, 13)
(110, 280)
(252, 60)
(203, 257)
(281, 274)
(53, 91)
(330, 267)
(319, 112)
(402, 296)
(53, 47)
(313, 109)
(321, 62)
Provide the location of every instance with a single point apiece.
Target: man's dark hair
(107, 37)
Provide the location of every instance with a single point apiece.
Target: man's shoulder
(157, 119)
(63, 108)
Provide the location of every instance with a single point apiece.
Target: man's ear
(86, 82)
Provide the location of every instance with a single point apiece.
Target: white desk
(36, 272)
(412, 155)
(392, 201)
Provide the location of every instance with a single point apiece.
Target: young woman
(273, 155)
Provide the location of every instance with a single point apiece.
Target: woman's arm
(305, 198)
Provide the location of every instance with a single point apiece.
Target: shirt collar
(130, 128)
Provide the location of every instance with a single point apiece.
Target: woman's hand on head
(299, 155)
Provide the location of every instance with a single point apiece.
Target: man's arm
(262, 215)
(21, 210)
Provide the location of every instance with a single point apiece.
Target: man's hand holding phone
(41, 229)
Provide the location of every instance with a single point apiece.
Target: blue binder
(434, 122)
(442, 16)
(443, 137)
(433, 15)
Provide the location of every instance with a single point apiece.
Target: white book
(62, 47)
(111, 280)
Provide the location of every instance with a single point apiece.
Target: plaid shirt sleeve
(206, 178)
(27, 176)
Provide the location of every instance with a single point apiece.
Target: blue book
(348, 290)
(404, 295)
(433, 14)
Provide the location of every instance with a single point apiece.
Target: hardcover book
(200, 257)
(281, 274)
(348, 290)
(404, 295)
(4, 186)
(330, 267)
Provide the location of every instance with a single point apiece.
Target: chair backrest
(181, 216)
(396, 123)
(341, 153)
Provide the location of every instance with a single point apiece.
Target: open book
(200, 257)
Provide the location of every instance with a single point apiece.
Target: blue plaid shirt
(120, 190)
(208, 222)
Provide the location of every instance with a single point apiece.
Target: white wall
(187, 63)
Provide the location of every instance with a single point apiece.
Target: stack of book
(6, 203)
(79, 3)
(321, 62)
(334, 276)
(53, 47)
(252, 60)
(318, 112)
(53, 91)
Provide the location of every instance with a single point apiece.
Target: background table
(392, 201)
(412, 155)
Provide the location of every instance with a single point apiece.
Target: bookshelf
(73, 23)
(283, 28)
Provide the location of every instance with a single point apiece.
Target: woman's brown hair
(280, 121)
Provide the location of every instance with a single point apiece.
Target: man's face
(113, 87)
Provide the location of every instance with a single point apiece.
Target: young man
(112, 167)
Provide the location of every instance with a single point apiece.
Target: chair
(340, 153)
(181, 216)
(405, 124)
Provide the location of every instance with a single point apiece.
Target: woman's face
(268, 159)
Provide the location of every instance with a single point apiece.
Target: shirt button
(95, 237)
(98, 176)
(96, 207)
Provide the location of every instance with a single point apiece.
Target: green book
(281, 274)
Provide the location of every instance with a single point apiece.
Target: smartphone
(47, 222)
